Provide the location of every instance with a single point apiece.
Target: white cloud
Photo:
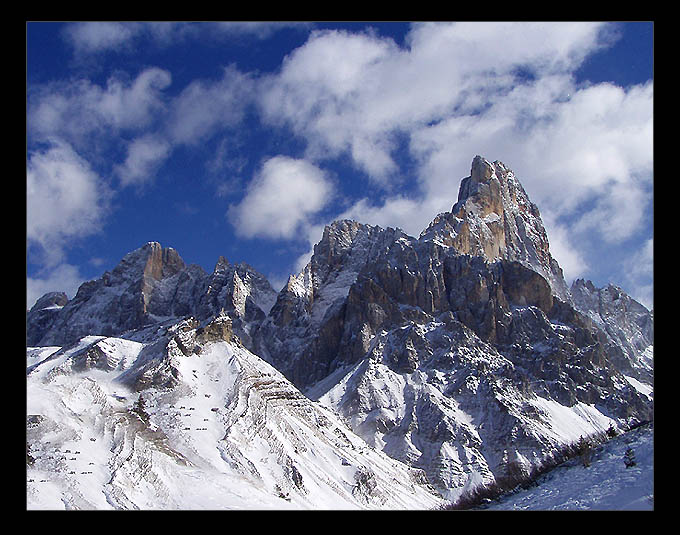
(639, 272)
(281, 200)
(321, 93)
(204, 107)
(349, 92)
(256, 29)
(66, 200)
(563, 249)
(618, 212)
(145, 155)
(93, 37)
(75, 110)
(89, 38)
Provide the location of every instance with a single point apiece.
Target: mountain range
(392, 372)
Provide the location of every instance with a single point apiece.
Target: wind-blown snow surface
(232, 433)
(607, 484)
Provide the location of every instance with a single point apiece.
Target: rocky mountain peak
(628, 323)
(494, 218)
(153, 260)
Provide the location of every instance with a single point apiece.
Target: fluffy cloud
(76, 110)
(145, 155)
(351, 92)
(66, 200)
(281, 200)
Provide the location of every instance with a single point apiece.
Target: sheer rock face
(495, 219)
(302, 335)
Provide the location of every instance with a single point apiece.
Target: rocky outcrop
(41, 316)
(120, 300)
(303, 334)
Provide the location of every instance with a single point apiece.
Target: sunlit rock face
(494, 218)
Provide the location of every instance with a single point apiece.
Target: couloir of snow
(232, 434)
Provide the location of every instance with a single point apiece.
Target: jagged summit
(494, 218)
(153, 259)
(149, 285)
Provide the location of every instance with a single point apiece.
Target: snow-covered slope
(606, 485)
(466, 410)
(193, 421)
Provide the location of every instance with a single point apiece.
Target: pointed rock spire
(494, 218)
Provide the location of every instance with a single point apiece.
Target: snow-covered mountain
(628, 323)
(193, 420)
(391, 372)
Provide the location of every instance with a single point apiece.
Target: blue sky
(245, 139)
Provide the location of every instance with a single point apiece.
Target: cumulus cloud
(281, 200)
(66, 200)
(347, 93)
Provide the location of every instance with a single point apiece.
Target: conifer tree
(629, 458)
(585, 450)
